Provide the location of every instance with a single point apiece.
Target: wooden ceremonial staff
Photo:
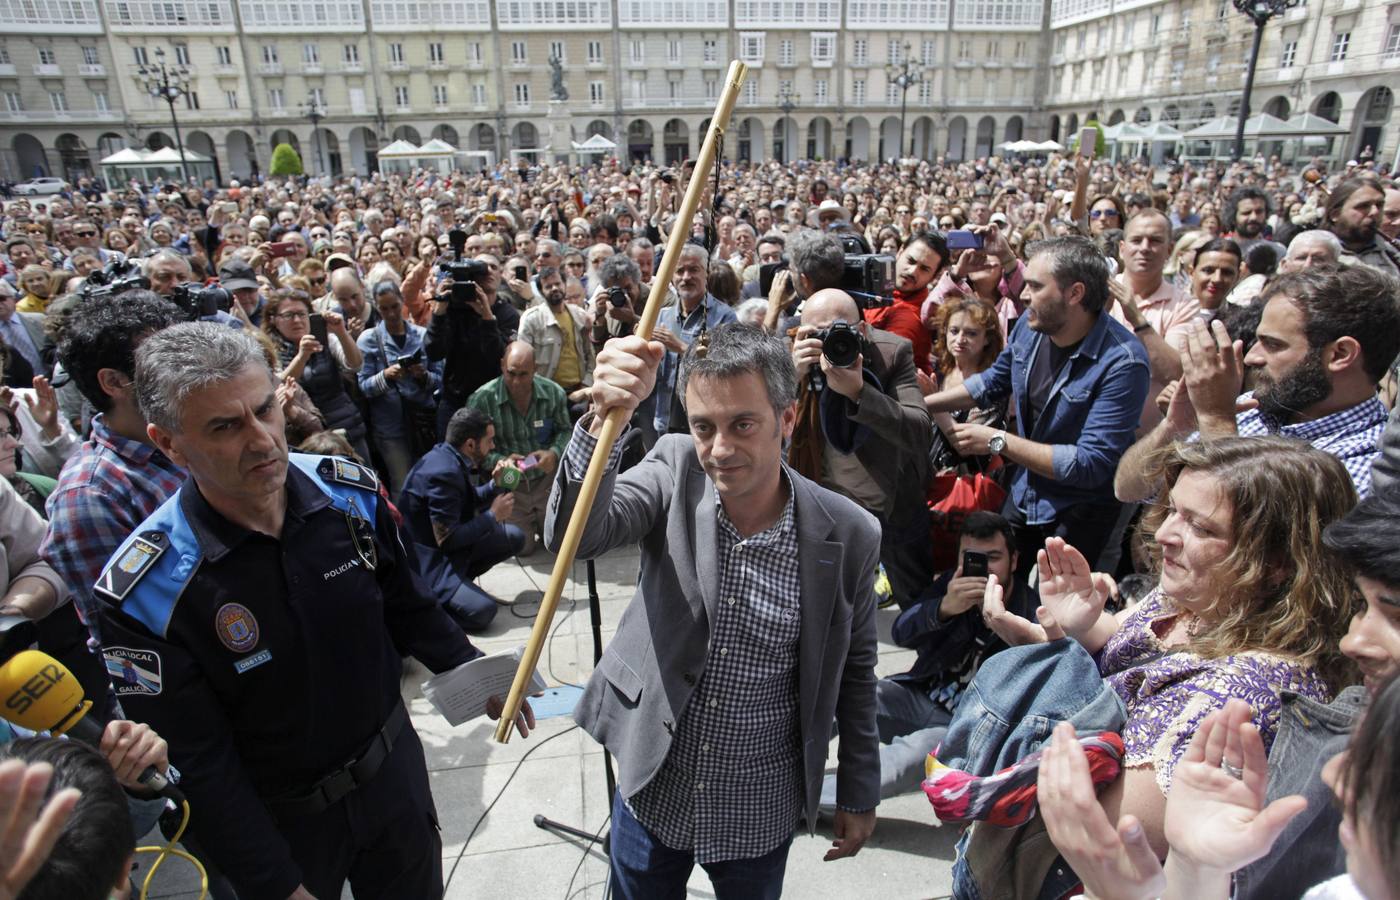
(612, 425)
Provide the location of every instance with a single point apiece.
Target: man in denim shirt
(678, 325)
(1079, 379)
(399, 382)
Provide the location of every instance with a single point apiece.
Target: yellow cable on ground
(171, 850)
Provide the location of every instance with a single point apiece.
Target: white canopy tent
(154, 165)
(1264, 135)
(595, 145)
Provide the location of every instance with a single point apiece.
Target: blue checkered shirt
(1353, 435)
(731, 786)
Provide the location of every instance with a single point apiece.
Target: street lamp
(787, 102)
(168, 83)
(1259, 12)
(905, 74)
(314, 110)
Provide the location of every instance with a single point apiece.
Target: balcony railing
(48, 70)
(50, 15)
(184, 15)
(92, 70)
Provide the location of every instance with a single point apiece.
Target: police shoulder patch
(130, 564)
(344, 471)
(133, 672)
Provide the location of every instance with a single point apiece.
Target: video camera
(869, 278)
(197, 301)
(463, 272)
(117, 277)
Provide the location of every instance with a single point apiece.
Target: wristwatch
(997, 443)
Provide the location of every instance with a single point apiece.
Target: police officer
(263, 609)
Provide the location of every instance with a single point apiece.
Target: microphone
(40, 694)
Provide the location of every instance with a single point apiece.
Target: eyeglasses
(317, 281)
(85, 233)
(1101, 213)
(9, 433)
(297, 314)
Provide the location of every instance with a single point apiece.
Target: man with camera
(399, 383)
(921, 260)
(463, 333)
(616, 299)
(170, 276)
(558, 332)
(862, 429)
(677, 326)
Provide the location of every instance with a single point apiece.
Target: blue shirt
(387, 398)
(1089, 419)
(710, 312)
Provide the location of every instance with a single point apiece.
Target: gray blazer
(666, 504)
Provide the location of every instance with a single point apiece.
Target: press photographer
(463, 331)
(862, 429)
(169, 274)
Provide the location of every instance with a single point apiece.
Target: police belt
(355, 773)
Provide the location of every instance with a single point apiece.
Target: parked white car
(44, 185)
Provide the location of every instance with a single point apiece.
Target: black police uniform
(272, 667)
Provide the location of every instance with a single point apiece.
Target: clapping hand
(1215, 820)
(1213, 372)
(1114, 863)
(1074, 596)
(1011, 628)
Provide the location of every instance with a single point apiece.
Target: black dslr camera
(841, 343)
(462, 272)
(618, 297)
(117, 277)
(197, 301)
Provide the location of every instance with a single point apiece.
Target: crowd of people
(1113, 441)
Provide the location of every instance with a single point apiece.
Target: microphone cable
(171, 850)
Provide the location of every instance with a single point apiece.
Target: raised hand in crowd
(29, 826)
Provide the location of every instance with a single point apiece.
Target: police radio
(40, 694)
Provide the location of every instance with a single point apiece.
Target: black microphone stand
(595, 617)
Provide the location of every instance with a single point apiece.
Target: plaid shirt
(107, 489)
(731, 786)
(1353, 435)
(545, 425)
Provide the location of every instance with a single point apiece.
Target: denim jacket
(1308, 851)
(1089, 418)
(386, 398)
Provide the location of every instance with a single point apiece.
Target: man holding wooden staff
(751, 630)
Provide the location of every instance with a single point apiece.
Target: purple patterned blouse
(1167, 697)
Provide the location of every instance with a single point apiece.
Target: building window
(894, 50)
(182, 55)
(139, 54)
(275, 98)
(311, 54)
(784, 87)
(269, 54)
(639, 86)
(90, 57)
(357, 100)
(396, 53)
(191, 100)
(787, 54)
(1392, 43)
(401, 96)
(673, 89)
(478, 94)
(751, 46)
(101, 102)
(711, 50)
(14, 102)
(351, 54)
(595, 93)
(439, 95)
(638, 51)
(522, 94)
(821, 91)
(928, 52)
(317, 97)
(1214, 47)
(556, 50)
(435, 54)
(1340, 42)
(993, 50)
(1020, 50)
(823, 47)
(518, 54)
(711, 89)
(964, 49)
(595, 52)
(231, 99)
(673, 51)
(1288, 54)
(474, 52)
(892, 94)
(47, 57)
(751, 92)
(860, 52)
(223, 56)
(926, 92)
(858, 91)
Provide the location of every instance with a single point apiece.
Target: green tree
(285, 161)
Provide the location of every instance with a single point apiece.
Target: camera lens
(841, 345)
(617, 296)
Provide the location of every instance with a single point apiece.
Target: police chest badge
(236, 627)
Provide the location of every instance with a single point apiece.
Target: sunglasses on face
(1104, 213)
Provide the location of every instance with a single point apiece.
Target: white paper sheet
(461, 693)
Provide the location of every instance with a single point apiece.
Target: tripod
(595, 616)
